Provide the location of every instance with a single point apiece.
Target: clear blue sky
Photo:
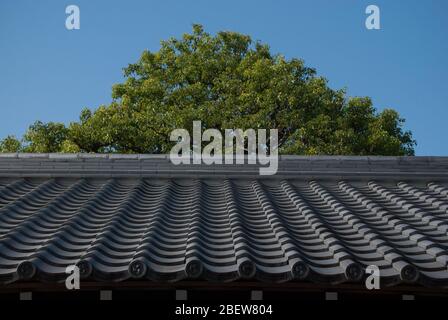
(50, 73)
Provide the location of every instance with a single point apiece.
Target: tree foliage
(226, 81)
(10, 144)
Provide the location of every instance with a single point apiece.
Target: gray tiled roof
(319, 219)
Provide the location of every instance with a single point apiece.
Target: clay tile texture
(318, 220)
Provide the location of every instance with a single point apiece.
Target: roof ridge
(26, 155)
(159, 165)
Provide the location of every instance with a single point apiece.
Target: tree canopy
(226, 81)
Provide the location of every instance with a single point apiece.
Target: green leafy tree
(45, 137)
(226, 81)
(10, 144)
